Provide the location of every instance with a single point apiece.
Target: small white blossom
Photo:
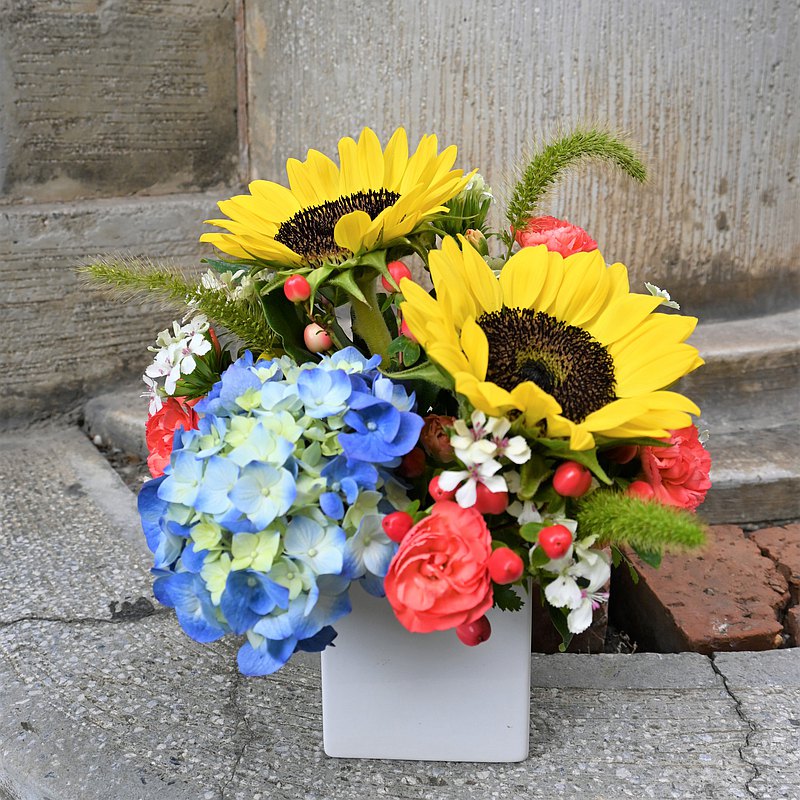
(580, 562)
(662, 293)
(153, 394)
(467, 480)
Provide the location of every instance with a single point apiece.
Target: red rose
(558, 235)
(678, 473)
(439, 577)
(434, 438)
(160, 430)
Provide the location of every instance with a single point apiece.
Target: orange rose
(160, 430)
(439, 577)
(558, 235)
(679, 472)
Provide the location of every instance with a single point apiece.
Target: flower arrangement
(395, 395)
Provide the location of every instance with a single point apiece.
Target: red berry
(488, 502)
(437, 493)
(555, 540)
(297, 289)
(572, 479)
(317, 339)
(398, 270)
(623, 454)
(413, 463)
(472, 633)
(397, 524)
(505, 566)
(642, 490)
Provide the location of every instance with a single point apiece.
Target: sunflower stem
(368, 322)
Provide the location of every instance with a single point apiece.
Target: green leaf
(506, 599)
(427, 371)
(345, 280)
(530, 532)
(588, 458)
(616, 556)
(651, 557)
(633, 573)
(282, 317)
(538, 558)
(532, 473)
(403, 346)
(559, 619)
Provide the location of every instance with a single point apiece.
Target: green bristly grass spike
(548, 165)
(619, 519)
(141, 279)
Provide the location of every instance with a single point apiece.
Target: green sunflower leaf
(588, 458)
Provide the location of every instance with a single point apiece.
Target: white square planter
(388, 693)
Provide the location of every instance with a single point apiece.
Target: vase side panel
(391, 694)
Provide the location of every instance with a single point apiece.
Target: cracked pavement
(103, 696)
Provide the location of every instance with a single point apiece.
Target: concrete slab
(766, 690)
(71, 545)
(96, 705)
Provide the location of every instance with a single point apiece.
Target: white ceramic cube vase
(391, 694)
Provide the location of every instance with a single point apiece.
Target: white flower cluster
(175, 356)
(580, 561)
(479, 447)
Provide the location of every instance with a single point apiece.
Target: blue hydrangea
(272, 507)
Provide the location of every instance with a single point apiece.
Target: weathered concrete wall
(64, 340)
(113, 97)
(708, 89)
(101, 100)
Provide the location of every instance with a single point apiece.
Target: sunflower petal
(350, 229)
(475, 347)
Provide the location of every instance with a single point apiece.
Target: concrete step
(751, 378)
(747, 392)
(103, 696)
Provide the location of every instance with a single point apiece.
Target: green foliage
(142, 279)
(649, 527)
(404, 352)
(548, 164)
(506, 599)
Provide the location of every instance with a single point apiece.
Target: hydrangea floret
(272, 507)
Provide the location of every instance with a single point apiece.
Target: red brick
(792, 625)
(726, 597)
(782, 545)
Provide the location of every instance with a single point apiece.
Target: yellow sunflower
(329, 213)
(562, 340)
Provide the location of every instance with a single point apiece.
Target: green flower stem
(368, 322)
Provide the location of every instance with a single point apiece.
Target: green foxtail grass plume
(145, 280)
(619, 519)
(550, 162)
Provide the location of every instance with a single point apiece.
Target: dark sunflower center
(310, 232)
(563, 360)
